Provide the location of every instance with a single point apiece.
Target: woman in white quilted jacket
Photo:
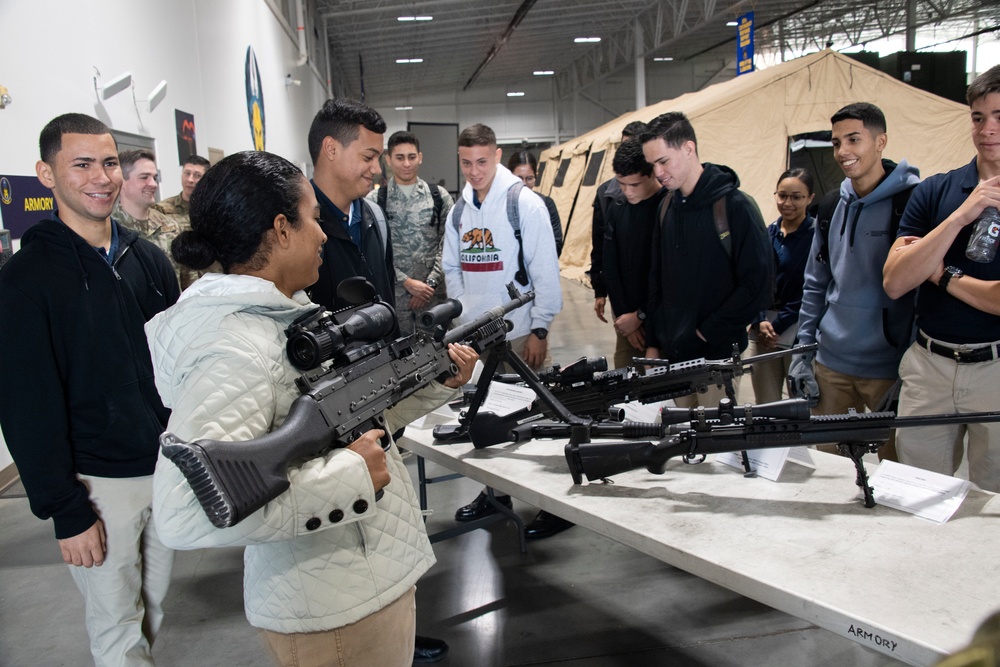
(329, 573)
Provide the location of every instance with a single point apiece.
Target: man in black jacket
(712, 266)
(628, 234)
(78, 406)
(607, 192)
(345, 142)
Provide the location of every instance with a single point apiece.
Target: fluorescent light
(543, 72)
(732, 24)
(407, 61)
(662, 60)
(415, 18)
(403, 108)
(587, 40)
(517, 94)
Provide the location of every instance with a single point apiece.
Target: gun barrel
(463, 332)
(777, 354)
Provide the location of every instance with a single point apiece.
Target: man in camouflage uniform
(416, 221)
(177, 207)
(134, 207)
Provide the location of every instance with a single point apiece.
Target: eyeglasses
(528, 180)
(795, 197)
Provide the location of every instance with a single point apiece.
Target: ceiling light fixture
(403, 108)
(587, 40)
(517, 94)
(732, 24)
(414, 18)
(662, 60)
(157, 95)
(408, 61)
(543, 72)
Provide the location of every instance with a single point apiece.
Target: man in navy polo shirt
(954, 365)
(345, 142)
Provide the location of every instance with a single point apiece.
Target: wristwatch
(540, 334)
(641, 315)
(430, 282)
(950, 273)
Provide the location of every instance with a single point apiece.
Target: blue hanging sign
(744, 44)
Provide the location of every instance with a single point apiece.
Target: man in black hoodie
(78, 406)
(712, 265)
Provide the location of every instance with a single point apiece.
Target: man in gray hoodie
(860, 330)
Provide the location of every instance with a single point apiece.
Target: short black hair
(870, 116)
(629, 160)
(986, 83)
(477, 135)
(127, 160)
(340, 119)
(673, 127)
(800, 174)
(633, 130)
(196, 160)
(523, 157)
(50, 139)
(402, 137)
(233, 208)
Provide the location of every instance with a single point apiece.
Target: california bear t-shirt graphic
(479, 253)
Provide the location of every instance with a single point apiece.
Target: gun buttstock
(228, 489)
(489, 429)
(598, 460)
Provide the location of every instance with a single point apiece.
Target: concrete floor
(575, 600)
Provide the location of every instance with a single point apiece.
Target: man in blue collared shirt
(345, 142)
(954, 365)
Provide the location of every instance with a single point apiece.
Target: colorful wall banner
(187, 144)
(23, 202)
(744, 44)
(255, 100)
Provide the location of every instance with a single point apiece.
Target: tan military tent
(746, 123)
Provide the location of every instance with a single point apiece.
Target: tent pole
(640, 68)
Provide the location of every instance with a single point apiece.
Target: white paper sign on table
(926, 494)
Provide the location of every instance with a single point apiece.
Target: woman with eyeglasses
(791, 238)
(524, 165)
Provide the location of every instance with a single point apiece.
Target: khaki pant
(767, 377)
(383, 639)
(124, 595)
(933, 384)
(838, 392)
(624, 351)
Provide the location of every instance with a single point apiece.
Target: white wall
(49, 51)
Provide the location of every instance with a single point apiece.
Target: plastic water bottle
(985, 238)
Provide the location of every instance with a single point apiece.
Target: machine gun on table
(584, 389)
(339, 402)
(693, 433)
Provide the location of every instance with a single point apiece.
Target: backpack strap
(514, 217)
(899, 201)
(719, 214)
(438, 206)
(722, 226)
(456, 212)
(824, 217)
(380, 223)
(383, 196)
